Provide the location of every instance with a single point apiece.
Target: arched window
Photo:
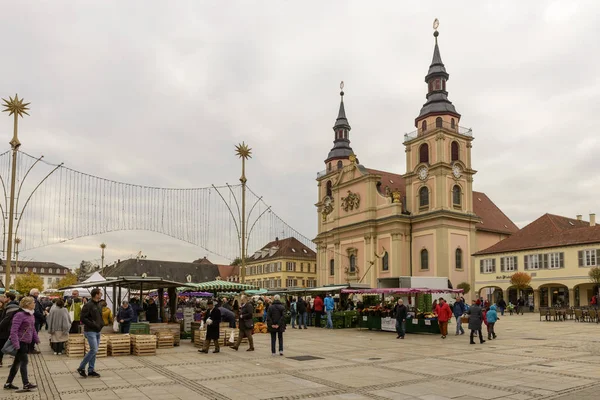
(438, 122)
(352, 263)
(43, 271)
(385, 262)
(331, 267)
(339, 164)
(424, 197)
(34, 270)
(456, 195)
(452, 123)
(458, 256)
(329, 188)
(454, 151)
(424, 153)
(329, 167)
(423, 126)
(424, 259)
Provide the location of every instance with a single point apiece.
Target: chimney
(592, 219)
(579, 217)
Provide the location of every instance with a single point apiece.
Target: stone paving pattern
(529, 360)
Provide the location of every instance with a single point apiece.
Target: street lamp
(244, 152)
(102, 246)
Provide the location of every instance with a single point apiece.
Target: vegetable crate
(164, 340)
(173, 329)
(102, 349)
(76, 345)
(200, 337)
(118, 345)
(143, 345)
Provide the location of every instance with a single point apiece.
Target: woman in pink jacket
(22, 335)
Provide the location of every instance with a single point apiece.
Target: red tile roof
(225, 271)
(288, 248)
(388, 179)
(547, 231)
(492, 218)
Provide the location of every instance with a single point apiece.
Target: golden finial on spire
(15, 106)
(243, 151)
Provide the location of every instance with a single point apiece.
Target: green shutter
(493, 265)
(561, 263)
(502, 266)
(525, 262)
(481, 266)
(516, 260)
(580, 257)
(545, 261)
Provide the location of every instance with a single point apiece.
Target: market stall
(379, 316)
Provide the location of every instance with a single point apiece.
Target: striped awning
(217, 285)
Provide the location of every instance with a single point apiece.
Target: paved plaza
(529, 360)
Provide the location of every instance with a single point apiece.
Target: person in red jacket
(444, 314)
(318, 307)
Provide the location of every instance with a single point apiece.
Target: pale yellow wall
(283, 274)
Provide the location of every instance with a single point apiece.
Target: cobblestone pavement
(529, 360)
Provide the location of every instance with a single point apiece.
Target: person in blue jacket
(125, 316)
(329, 306)
(492, 317)
(459, 310)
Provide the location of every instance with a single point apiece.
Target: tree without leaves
(24, 283)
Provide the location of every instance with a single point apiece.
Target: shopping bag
(116, 326)
(72, 314)
(232, 337)
(8, 348)
(201, 325)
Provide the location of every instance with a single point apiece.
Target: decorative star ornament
(243, 151)
(15, 106)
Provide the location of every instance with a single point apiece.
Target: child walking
(491, 317)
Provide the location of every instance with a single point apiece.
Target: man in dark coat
(212, 319)
(227, 316)
(475, 321)
(301, 307)
(401, 312)
(152, 311)
(246, 324)
(276, 323)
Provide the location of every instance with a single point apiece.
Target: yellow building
(556, 251)
(282, 264)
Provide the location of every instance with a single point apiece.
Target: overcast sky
(158, 93)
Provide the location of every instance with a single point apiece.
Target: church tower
(438, 154)
(339, 155)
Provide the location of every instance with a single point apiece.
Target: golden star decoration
(243, 151)
(15, 106)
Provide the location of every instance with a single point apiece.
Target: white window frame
(535, 262)
(554, 261)
(489, 266)
(510, 264)
(590, 258)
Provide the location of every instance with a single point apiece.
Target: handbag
(9, 348)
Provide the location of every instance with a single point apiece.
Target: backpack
(6, 324)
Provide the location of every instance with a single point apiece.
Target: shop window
(424, 197)
(454, 151)
(424, 259)
(424, 153)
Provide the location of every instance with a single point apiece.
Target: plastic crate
(139, 328)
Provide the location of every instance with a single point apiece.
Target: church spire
(341, 142)
(436, 78)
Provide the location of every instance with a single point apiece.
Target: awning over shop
(401, 291)
(321, 289)
(217, 285)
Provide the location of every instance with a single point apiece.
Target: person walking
(501, 305)
(301, 307)
(444, 314)
(40, 317)
(318, 307)
(276, 323)
(152, 311)
(329, 307)
(212, 320)
(59, 324)
(520, 305)
(459, 310)
(246, 324)
(91, 318)
(492, 318)
(125, 316)
(401, 312)
(475, 321)
(294, 312)
(9, 311)
(74, 306)
(22, 336)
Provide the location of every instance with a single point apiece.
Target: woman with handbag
(22, 335)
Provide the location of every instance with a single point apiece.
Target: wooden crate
(174, 329)
(75, 346)
(200, 336)
(143, 345)
(236, 333)
(118, 345)
(102, 349)
(164, 340)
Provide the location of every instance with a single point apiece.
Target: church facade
(376, 226)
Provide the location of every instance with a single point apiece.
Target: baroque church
(375, 226)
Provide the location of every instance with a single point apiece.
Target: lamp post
(102, 246)
(244, 152)
(17, 242)
(14, 106)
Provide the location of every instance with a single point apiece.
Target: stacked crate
(173, 329)
(118, 345)
(188, 318)
(102, 349)
(76, 345)
(200, 337)
(164, 340)
(143, 345)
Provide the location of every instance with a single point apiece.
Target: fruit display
(260, 327)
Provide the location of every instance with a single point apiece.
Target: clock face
(423, 173)
(456, 171)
